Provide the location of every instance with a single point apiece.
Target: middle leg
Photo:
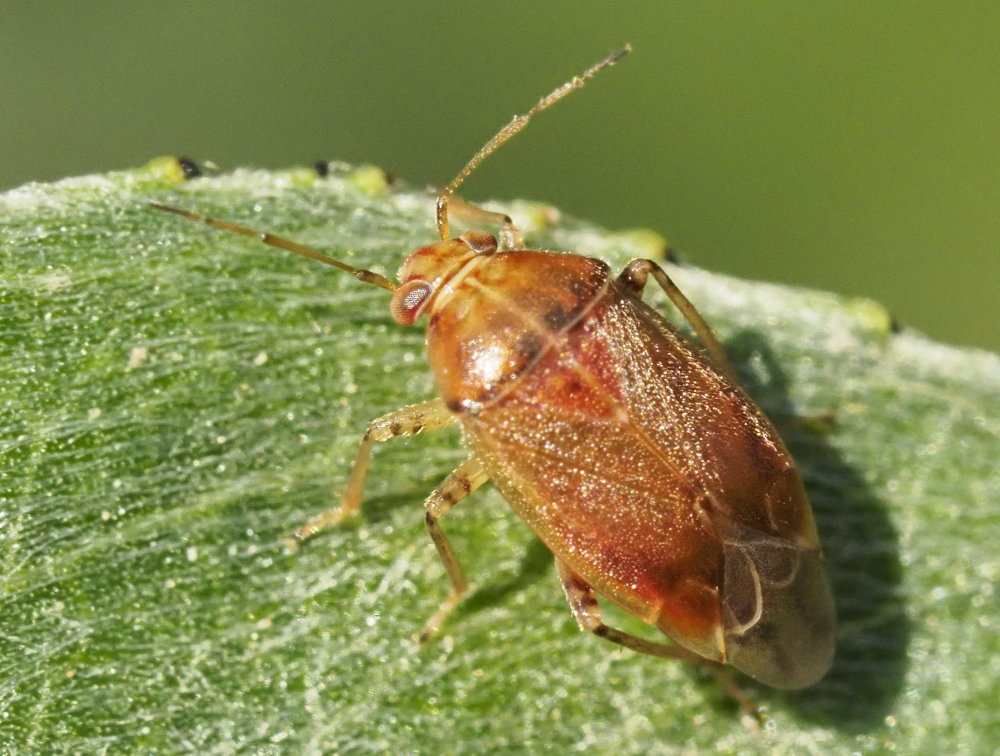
(465, 479)
(634, 278)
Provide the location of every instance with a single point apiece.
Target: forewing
(585, 451)
(656, 480)
(777, 607)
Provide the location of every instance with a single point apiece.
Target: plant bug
(650, 475)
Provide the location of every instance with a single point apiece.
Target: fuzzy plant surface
(174, 401)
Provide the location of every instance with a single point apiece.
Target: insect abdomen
(673, 506)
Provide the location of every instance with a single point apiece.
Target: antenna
(371, 277)
(515, 125)
(365, 276)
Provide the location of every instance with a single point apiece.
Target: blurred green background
(851, 147)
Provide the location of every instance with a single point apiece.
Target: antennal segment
(365, 276)
(515, 125)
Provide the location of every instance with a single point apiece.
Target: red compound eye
(408, 301)
(480, 241)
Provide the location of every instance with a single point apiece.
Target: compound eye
(480, 242)
(408, 301)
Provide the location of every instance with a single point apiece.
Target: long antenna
(516, 124)
(365, 276)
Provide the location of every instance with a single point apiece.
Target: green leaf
(175, 400)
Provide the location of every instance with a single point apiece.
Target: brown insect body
(633, 458)
(650, 475)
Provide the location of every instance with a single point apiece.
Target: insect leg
(465, 479)
(407, 421)
(634, 278)
(583, 603)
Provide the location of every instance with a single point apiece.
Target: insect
(635, 457)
